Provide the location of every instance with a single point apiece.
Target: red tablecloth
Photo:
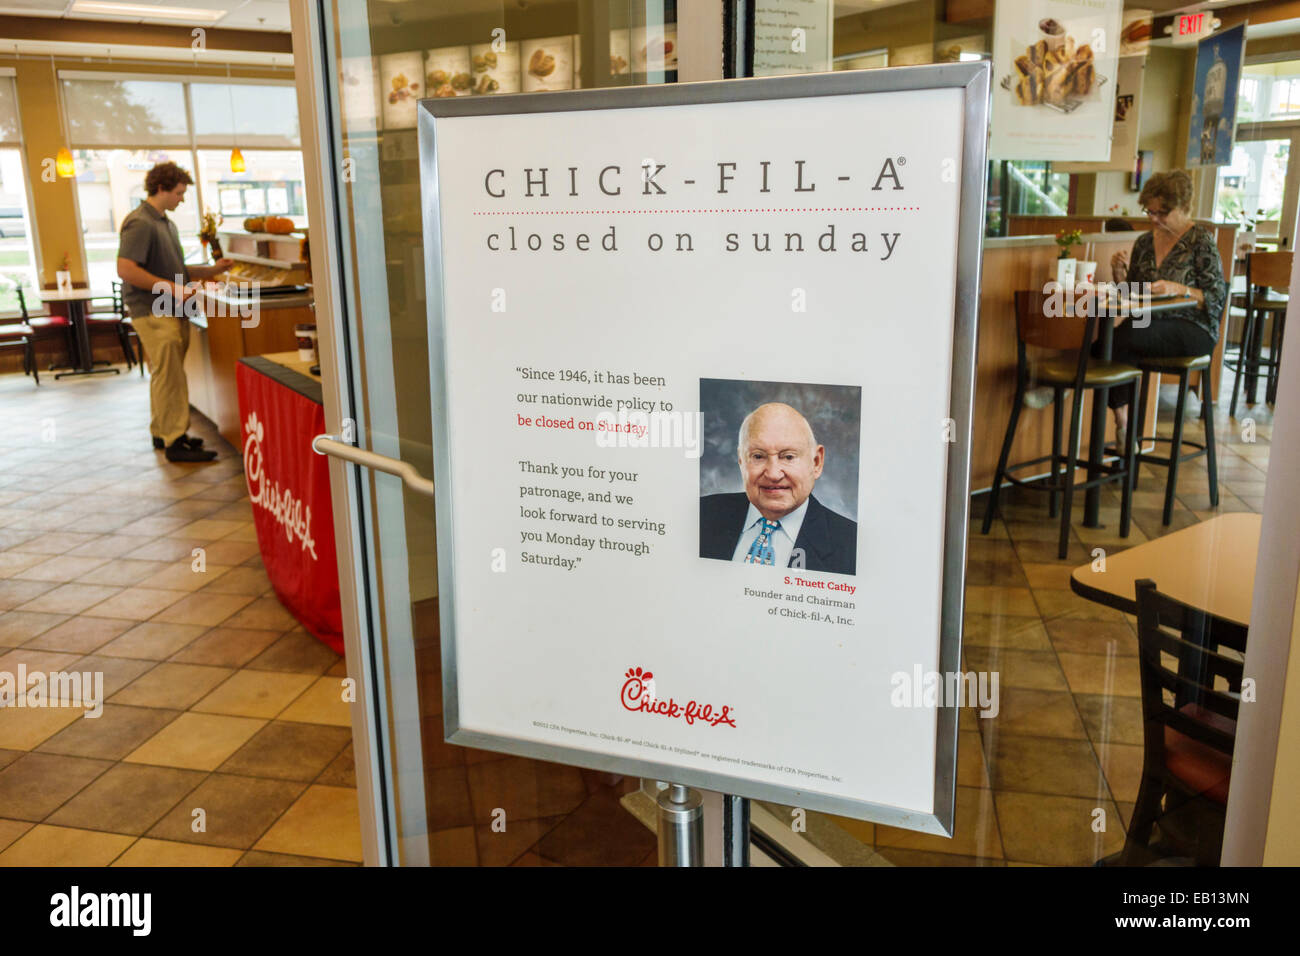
(289, 487)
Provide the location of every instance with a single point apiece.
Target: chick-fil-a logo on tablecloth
(286, 508)
(639, 695)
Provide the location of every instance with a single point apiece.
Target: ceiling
(270, 15)
(273, 16)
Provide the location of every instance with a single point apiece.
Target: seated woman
(1178, 257)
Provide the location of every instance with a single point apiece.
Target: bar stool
(1077, 373)
(1267, 273)
(1182, 367)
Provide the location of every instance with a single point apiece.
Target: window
(1286, 96)
(1248, 99)
(262, 115)
(17, 263)
(110, 183)
(1023, 188)
(119, 127)
(125, 112)
(272, 183)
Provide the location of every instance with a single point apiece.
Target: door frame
(322, 152)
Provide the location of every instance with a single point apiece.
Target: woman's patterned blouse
(1194, 262)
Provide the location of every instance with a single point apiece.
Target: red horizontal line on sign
(635, 212)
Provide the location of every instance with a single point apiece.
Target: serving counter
(280, 411)
(223, 335)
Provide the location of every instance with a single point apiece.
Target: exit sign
(1188, 27)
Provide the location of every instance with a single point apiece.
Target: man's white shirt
(782, 540)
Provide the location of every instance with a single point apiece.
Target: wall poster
(1054, 64)
(1214, 98)
(682, 534)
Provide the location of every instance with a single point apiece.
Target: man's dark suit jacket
(828, 539)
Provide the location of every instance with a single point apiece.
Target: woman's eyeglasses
(1156, 213)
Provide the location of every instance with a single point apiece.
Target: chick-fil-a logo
(639, 695)
(288, 511)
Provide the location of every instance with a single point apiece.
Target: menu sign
(1054, 64)
(682, 533)
(401, 84)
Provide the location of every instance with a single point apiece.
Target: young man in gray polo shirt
(155, 283)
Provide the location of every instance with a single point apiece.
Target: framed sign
(702, 367)
(1054, 62)
(1213, 124)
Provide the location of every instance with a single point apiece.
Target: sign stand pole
(735, 830)
(681, 826)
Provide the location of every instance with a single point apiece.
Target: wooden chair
(1268, 279)
(1189, 719)
(1077, 373)
(46, 326)
(110, 313)
(18, 335)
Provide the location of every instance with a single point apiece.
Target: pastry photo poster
(695, 364)
(1054, 74)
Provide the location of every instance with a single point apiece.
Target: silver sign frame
(973, 80)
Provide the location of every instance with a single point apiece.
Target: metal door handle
(330, 445)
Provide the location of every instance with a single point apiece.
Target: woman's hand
(1166, 287)
(1119, 265)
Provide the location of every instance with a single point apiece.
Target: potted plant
(1065, 263)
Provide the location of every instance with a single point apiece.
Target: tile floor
(1068, 737)
(1067, 740)
(224, 740)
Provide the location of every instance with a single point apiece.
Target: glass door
(1048, 773)
(433, 802)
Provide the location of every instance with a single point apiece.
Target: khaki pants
(165, 339)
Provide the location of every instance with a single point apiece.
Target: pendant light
(64, 165)
(236, 157)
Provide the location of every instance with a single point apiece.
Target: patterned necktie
(760, 552)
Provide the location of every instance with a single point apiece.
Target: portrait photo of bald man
(778, 519)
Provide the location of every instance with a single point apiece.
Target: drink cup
(306, 335)
(1053, 32)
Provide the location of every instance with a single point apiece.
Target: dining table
(1134, 310)
(78, 301)
(1209, 566)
